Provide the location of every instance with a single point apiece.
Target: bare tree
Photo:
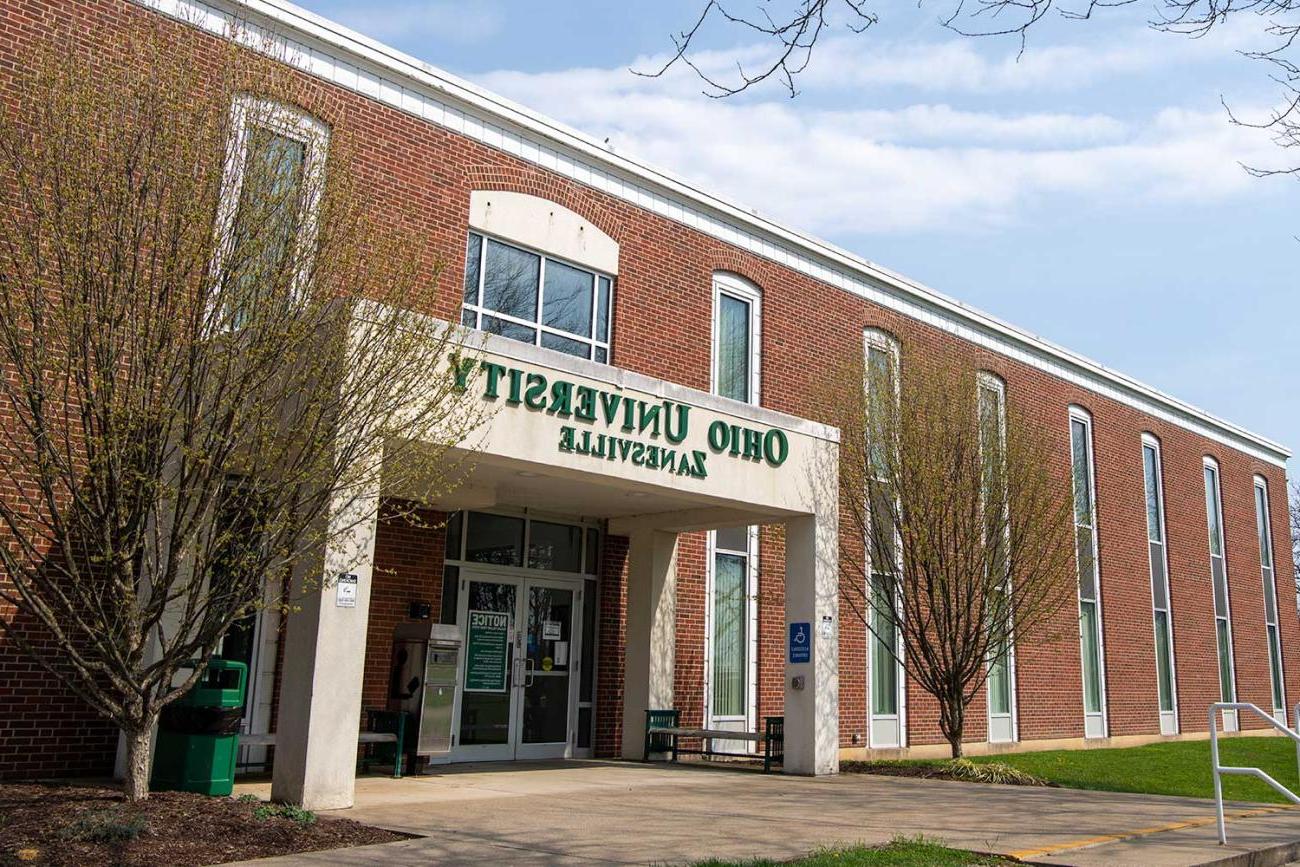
(792, 37)
(961, 530)
(210, 357)
(788, 33)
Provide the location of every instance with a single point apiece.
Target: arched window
(1219, 581)
(539, 273)
(737, 329)
(731, 642)
(1264, 528)
(886, 688)
(1092, 651)
(1158, 557)
(991, 410)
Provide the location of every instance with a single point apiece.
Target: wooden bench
(382, 727)
(663, 733)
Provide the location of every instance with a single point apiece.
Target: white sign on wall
(345, 591)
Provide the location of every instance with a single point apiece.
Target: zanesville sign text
(638, 418)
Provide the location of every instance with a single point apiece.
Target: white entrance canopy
(654, 458)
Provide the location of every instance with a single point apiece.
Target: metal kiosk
(423, 686)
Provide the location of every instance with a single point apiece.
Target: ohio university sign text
(610, 426)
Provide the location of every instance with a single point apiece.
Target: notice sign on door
(486, 654)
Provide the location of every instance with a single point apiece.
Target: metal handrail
(1219, 770)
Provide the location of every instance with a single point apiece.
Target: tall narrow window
(1162, 618)
(730, 622)
(1270, 597)
(1091, 649)
(884, 662)
(991, 408)
(1219, 580)
(736, 316)
(733, 579)
(266, 217)
(536, 299)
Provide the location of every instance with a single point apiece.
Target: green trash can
(198, 734)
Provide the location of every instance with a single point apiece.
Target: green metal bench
(663, 734)
(382, 742)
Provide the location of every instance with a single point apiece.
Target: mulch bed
(916, 771)
(923, 772)
(79, 824)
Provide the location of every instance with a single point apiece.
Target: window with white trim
(1091, 647)
(730, 619)
(1219, 581)
(1265, 530)
(1161, 610)
(737, 317)
(266, 218)
(534, 298)
(886, 681)
(733, 563)
(992, 418)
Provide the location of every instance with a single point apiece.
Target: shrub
(285, 811)
(991, 772)
(105, 826)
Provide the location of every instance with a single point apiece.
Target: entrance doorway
(518, 696)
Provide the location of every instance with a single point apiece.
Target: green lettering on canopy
(641, 419)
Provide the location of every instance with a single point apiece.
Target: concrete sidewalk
(627, 813)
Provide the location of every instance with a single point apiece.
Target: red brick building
(638, 566)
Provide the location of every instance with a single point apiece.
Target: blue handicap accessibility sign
(801, 642)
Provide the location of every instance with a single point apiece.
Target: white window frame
(1212, 465)
(1169, 720)
(479, 311)
(735, 286)
(1268, 573)
(247, 112)
(884, 731)
(1096, 724)
(726, 283)
(1001, 728)
(748, 720)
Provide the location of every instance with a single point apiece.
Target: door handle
(529, 668)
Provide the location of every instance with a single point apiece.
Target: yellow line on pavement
(1022, 854)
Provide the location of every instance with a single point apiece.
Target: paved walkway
(628, 813)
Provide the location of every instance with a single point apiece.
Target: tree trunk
(138, 754)
(952, 720)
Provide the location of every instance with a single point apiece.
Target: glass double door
(517, 696)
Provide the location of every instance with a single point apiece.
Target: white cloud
(426, 19)
(990, 65)
(924, 166)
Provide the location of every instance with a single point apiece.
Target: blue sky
(1090, 191)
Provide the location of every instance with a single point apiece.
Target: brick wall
(661, 327)
(409, 552)
(611, 632)
(45, 730)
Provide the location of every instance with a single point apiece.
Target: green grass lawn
(902, 852)
(1172, 768)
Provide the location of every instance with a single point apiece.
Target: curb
(1270, 856)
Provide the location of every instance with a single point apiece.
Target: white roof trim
(336, 54)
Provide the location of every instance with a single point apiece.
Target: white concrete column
(651, 636)
(324, 660)
(812, 723)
